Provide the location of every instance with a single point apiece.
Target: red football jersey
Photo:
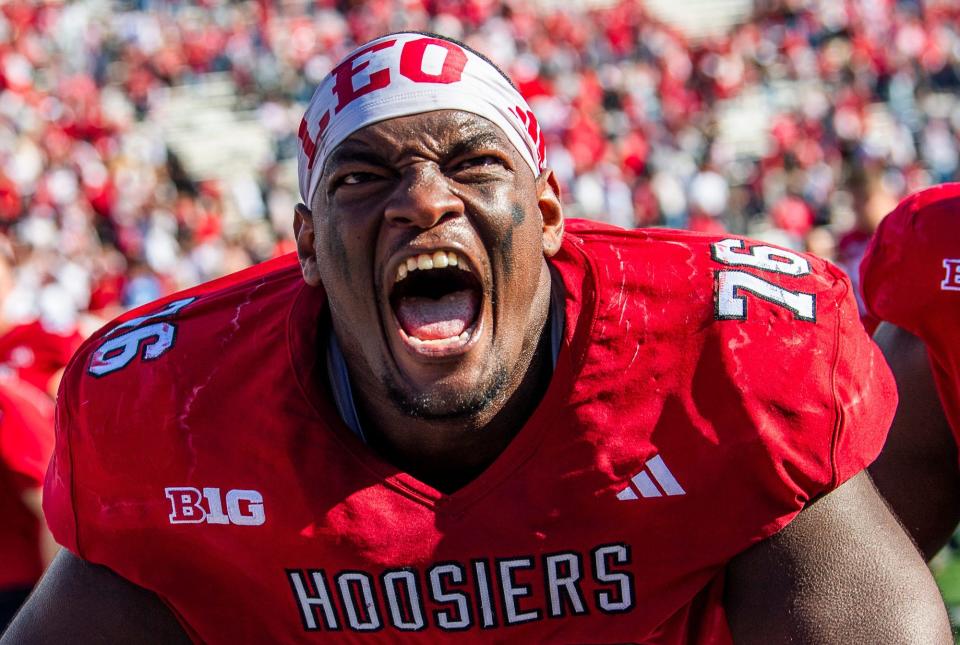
(35, 353)
(911, 278)
(26, 443)
(706, 389)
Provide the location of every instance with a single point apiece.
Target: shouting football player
(455, 415)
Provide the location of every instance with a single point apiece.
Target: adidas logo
(644, 484)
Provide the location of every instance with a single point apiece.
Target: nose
(422, 198)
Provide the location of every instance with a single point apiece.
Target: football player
(911, 280)
(454, 415)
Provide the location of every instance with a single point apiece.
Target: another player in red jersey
(449, 418)
(26, 443)
(37, 352)
(911, 280)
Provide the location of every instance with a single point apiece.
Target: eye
(355, 178)
(479, 162)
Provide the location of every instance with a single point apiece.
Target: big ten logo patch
(951, 281)
(189, 505)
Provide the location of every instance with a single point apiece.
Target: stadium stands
(148, 145)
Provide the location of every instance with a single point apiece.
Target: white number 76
(733, 285)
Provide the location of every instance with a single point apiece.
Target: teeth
(427, 261)
(440, 342)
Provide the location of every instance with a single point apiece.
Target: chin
(448, 402)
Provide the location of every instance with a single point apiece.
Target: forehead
(439, 131)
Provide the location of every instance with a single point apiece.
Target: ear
(551, 210)
(303, 231)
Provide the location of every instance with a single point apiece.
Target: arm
(843, 571)
(79, 602)
(32, 499)
(918, 472)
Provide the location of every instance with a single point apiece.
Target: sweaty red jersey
(26, 442)
(911, 278)
(706, 389)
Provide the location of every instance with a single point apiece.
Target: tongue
(429, 319)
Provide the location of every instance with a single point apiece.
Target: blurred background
(146, 146)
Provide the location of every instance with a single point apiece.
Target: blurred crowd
(98, 213)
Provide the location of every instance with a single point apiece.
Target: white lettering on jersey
(732, 303)
(189, 505)
(609, 602)
(310, 600)
(362, 616)
(445, 618)
(513, 591)
(951, 282)
(548, 587)
(406, 608)
(481, 571)
(732, 285)
(759, 256)
(155, 339)
(563, 574)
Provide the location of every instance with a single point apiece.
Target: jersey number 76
(733, 285)
(119, 349)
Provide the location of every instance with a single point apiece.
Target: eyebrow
(357, 153)
(485, 139)
(360, 152)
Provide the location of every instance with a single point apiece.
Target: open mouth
(436, 299)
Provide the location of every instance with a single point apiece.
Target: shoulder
(161, 372)
(237, 304)
(752, 334)
(720, 277)
(153, 352)
(910, 274)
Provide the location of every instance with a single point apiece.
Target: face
(429, 234)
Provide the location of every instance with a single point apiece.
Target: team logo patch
(643, 482)
(951, 282)
(190, 505)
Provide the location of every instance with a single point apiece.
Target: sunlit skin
(439, 180)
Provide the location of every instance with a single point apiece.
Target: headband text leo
(403, 74)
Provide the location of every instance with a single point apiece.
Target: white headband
(403, 74)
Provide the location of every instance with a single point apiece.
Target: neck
(456, 452)
(448, 453)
